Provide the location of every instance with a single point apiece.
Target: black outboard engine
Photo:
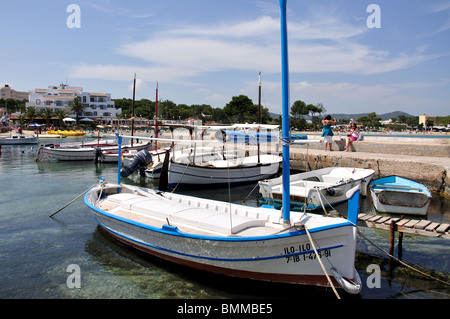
(140, 162)
(98, 154)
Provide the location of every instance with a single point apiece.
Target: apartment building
(98, 105)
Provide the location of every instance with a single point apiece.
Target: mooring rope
(398, 260)
(179, 181)
(320, 262)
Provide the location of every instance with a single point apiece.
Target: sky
(349, 55)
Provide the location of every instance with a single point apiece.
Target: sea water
(37, 252)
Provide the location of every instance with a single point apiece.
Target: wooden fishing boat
(229, 239)
(259, 243)
(60, 152)
(395, 194)
(319, 188)
(217, 170)
(19, 140)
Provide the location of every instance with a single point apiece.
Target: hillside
(384, 117)
(340, 116)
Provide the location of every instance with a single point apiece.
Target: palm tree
(46, 114)
(31, 114)
(61, 114)
(77, 107)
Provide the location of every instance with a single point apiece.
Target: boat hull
(19, 140)
(81, 153)
(285, 257)
(398, 195)
(319, 188)
(193, 174)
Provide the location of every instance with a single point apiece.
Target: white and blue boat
(395, 194)
(259, 243)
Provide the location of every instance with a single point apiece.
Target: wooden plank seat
(214, 220)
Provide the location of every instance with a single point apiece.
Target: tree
(371, 120)
(239, 108)
(46, 114)
(77, 107)
(298, 110)
(61, 114)
(31, 113)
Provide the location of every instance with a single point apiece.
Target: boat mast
(285, 114)
(259, 114)
(156, 117)
(132, 110)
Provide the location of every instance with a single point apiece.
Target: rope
(179, 181)
(321, 264)
(398, 260)
(395, 258)
(250, 193)
(71, 201)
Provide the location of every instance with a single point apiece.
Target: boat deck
(194, 220)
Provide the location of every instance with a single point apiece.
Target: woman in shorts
(352, 136)
(327, 133)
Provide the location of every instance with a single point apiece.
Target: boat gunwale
(174, 231)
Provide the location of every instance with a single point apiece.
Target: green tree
(61, 114)
(239, 108)
(371, 120)
(31, 113)
(77, 107)
(46, 114)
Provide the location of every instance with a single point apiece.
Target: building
(7, 93)
(98, 105)
(424, 119)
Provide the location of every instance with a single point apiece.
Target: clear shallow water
(36, 250)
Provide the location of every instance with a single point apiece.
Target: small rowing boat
(395, 194)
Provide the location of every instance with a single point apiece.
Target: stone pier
(425, 160)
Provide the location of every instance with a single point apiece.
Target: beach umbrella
(34, 125)
(86, 120)
(68, 119)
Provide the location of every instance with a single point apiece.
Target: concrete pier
(424, 160)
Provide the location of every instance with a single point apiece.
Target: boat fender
(331, 191)
(141, 160)
(350, 287)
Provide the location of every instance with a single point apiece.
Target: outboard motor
(140, 161)
(98, 154)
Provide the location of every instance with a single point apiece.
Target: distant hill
(341, 116)
(384, 117)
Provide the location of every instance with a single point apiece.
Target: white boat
(319, 188)
(217, 171)
(249, 242)
(228, 239)
(395, 194)
(19, 140)
(60, 152)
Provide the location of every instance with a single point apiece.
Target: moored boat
(318, 188)
(396, 194)
(258, 243)
(86, 152)
(19, 140)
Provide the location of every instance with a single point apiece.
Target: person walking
(327, 132)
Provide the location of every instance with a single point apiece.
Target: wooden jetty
(405, 225)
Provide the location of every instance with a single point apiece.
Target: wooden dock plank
(432, 226)
(402, 222)
(422, 224)
(411, 226)
(374, 218)
(443, 228)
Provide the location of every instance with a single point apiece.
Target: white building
(98, 105)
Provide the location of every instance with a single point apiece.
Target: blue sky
(207, 51)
